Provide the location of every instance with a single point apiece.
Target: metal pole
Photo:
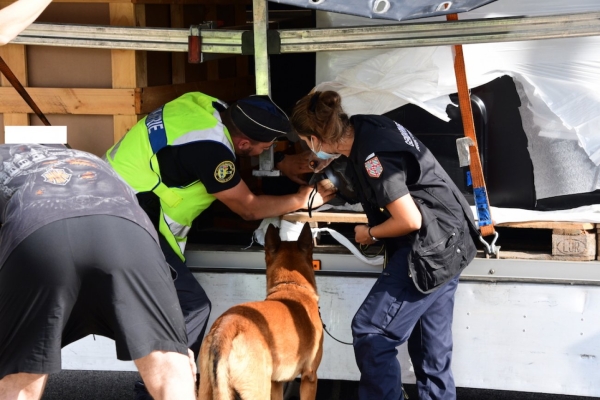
(261, 55)
(263, 81)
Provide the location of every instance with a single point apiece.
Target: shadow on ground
(108, 385)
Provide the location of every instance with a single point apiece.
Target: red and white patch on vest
(373, 167)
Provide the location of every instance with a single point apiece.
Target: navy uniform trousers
(394, 312)
(193, 300)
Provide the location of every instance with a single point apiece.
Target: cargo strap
(6, 71)
(486, 225)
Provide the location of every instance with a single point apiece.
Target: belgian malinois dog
(253, 348)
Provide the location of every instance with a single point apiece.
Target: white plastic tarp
(558, 81)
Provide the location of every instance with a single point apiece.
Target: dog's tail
(214, 371)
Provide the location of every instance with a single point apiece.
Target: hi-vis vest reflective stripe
(189, 118)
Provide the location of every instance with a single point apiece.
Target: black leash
(325, 329)
(404, 394)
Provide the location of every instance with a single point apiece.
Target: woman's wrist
(373, 238)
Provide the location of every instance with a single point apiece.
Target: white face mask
(321, 154)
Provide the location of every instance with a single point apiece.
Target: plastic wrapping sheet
(559, 80)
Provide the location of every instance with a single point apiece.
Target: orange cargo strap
(482, 205)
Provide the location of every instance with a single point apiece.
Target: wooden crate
(138, 81)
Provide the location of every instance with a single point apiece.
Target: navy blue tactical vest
(443, 246)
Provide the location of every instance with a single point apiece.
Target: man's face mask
(321, 154)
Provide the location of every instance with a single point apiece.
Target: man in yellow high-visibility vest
(181, 157)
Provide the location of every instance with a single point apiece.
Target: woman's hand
(325, 192)
(361, 235)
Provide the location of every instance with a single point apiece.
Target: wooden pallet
(140, 81)
(571, 241)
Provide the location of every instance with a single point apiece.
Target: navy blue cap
(259, 118)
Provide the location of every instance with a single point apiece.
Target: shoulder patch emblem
(224, 171)
(373, 167)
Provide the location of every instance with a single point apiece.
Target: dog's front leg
(308, 386)
(276, 390)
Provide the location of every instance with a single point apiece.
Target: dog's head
(289, 261)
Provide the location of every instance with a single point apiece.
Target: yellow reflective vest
(189, 118)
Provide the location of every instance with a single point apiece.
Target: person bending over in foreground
(78, 256)
(413, 206)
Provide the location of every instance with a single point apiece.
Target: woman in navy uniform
(417, 211)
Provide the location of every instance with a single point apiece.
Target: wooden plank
(331, 217)
(16, 58)
(225, 89)
(16, 119)
(548, 225)
(129, 67)
(178, 60)
(577, 243)
(72, 101)
(215, 2)
(122, 124)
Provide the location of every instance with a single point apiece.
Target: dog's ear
(272, 239)
(305, 240)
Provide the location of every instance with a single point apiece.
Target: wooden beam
(72, 101)
(196, 2)
(356, 218)
(122, 124)
(15, 57)
(548, 225)
(129, 67)
(16, 119)
(229, 90)
(178, 60)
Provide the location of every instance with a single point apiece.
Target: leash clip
(490, 249)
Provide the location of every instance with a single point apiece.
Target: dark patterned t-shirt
(42, 184)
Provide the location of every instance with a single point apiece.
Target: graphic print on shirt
(57, 176)
(374, 167)
(224, 171)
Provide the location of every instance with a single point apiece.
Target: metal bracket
(266, 165)
(273, 42)
(195, 55)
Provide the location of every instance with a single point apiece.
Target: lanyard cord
(311, 199)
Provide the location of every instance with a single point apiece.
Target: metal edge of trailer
(531, 327)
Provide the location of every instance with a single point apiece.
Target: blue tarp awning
(398, 10)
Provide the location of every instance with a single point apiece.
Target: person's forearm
(18, 16)
(265, 206)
